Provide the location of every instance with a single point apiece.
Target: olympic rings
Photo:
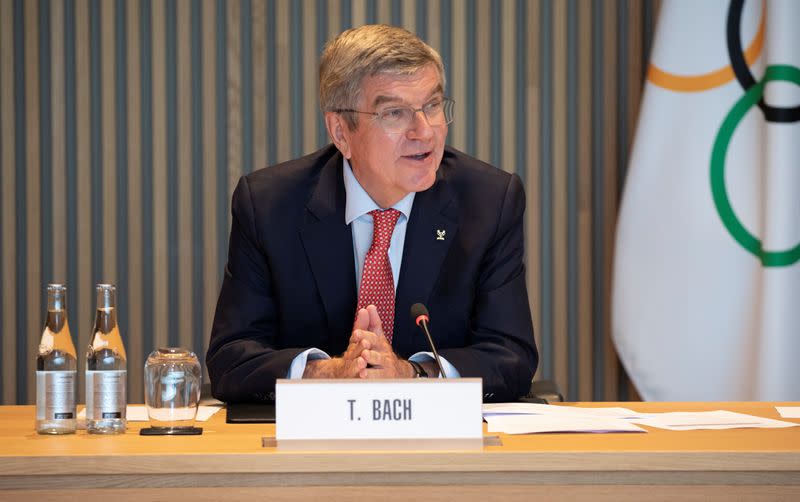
(721, 76)
(742, 70)
(732, 224)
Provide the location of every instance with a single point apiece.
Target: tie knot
(383, 225)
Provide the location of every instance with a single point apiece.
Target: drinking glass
(172, 380)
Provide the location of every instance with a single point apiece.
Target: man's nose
(420, 127)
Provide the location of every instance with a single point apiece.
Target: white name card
(336, 410)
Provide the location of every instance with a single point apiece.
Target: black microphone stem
(424, 325)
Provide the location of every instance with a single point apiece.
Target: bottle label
(105, 394)
(55, 395)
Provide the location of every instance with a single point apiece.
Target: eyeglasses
(398, 119)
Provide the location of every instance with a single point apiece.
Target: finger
(362, 339)
(352, 368)
(373, 338)
(359, 364)
(378, 342)
(376, 339)
(376, 373)
(374, 358)
(355, 347)
(362, 320)
(352, 345)
(375, 324)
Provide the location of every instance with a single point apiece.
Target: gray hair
(366, 51)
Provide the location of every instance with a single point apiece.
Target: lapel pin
(440, 235)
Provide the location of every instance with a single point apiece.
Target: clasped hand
(368, 354)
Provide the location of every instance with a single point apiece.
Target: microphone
(420, 315)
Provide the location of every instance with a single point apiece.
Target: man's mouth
(418, 156)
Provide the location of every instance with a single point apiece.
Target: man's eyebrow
(381, 99)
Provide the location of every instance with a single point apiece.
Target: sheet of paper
(531, 424)
(720, 419)
(138, 413)
(490, 409)
(206, 412)
(788, 411)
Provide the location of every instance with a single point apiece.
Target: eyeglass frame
(377, 115)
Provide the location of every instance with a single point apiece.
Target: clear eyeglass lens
(438, 113)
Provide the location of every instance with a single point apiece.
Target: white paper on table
(492, 409)
(138, 413)
(206, 412)
(531, 424)
(133, 413)
(719, 419)
(788, 411)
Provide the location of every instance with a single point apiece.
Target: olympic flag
(706, 295)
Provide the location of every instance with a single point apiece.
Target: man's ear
(339, 132)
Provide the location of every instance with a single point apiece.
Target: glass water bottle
(56, 369)
(106, 373)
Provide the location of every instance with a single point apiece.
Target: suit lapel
(328, 244)
(431, 229)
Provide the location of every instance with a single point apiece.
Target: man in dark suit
(328, 252)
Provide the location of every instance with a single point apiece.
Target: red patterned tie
(377, 282)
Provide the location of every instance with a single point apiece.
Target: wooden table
(228, 461)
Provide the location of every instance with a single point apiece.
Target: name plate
(347, 410)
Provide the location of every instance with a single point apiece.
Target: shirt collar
(358, 201)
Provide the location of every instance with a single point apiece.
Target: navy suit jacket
(290, 278)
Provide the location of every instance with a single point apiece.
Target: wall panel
(126, 125)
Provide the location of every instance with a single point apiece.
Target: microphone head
(419, 313)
